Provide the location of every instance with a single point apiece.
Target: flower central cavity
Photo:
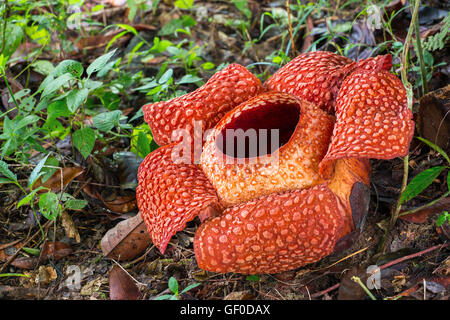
(259, 130)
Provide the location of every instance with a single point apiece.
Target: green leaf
(14, 35)
(107, 120)
(184, 4)
(143, 144)
(252, 278)
(442, 218)
(420, 183)
(75, 204)
(26, 121)
(36, 173)
(99, 63)
(48, 172)
(6, 180)
(6, 172)
(189, 287)
(128, 28)
(84, 140)
(29, 197)
(49, 205)
(57, 109)
(189, 78)
(55, 84)
(166, 76)
(435, 147)
(173, 285)
(208, 65)
(32, 251)
(73, 67)
(75, 98)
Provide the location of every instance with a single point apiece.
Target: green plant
(173, 286)
(443, 218)
(438, 41)
(424, 179)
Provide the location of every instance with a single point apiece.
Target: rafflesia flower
(283, 173)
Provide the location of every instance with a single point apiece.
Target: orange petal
(224, 90)
(314, 76)
(383, 62)
(271, 234)
(373, 120)
(304, 135)
(169, 195)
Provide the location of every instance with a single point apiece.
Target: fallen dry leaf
(122, 204)
(433, 120)
(45, 275)
(69, 227)
(122, 286)
(239, 295)
(54, 182)
(126, 240)
(56, 250)
(93, 286)
(119, 204)
(421, 216)
(25, 262)
(7, 251)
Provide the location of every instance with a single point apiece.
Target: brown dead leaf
(93, 286)
(122, 204)
(21, 262)
(349, 289)
(126, 240)
(118, 204)
(122, 286)
(7, 252)
(239, 295)
(45, 275)
(56, 250)
(422, 216)
(69, 226)
(25, 262)
(433, 120)
(54, 182)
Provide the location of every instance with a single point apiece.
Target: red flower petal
(373, 120)
(314, 76)
(271, 234)
(169, 195)
(209, 103)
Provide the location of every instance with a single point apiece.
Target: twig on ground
(384, 266)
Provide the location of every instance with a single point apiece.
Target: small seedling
(173, 286)
(444, 217)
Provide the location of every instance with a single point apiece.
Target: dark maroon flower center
(260, 130)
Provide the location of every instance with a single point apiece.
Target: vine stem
(404, 77)
(288, 10)
(423, 73)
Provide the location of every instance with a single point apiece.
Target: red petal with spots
(271, 234)
(170, 194)
(373, 120)
(209, 103)
(317, 76)
(383, 62)
(313, 76)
